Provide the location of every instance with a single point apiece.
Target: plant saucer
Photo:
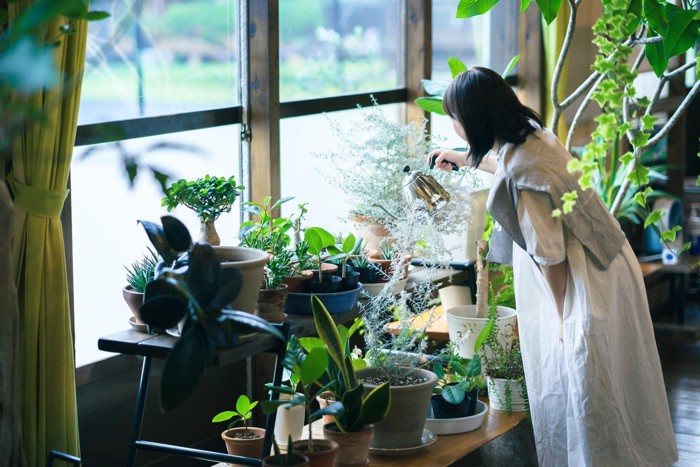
(427, 439)
(450, 426)
(141, 327)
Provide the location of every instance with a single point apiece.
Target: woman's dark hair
(488, 110)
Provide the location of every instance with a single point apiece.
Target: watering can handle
(432, 163)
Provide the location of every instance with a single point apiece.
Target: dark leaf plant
(456, 377)
(360, 410)
(190, 284)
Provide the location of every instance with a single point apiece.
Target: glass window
(304, 175)
(331, 47)
(160, 57)
(106, 237)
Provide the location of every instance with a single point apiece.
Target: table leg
(138, 412)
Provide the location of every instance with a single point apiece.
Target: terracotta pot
(325, 457)
(134, 300)
(247, 447)
(271, 304)
(251, 263)
(299, 461)
(296, 283)
(353, 447)
(372, 231)
(403, 425)
(387, 269)
(323, 400)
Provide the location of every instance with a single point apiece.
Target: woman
(592, 369)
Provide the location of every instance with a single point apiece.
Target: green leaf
(435, 88)
(96, 15)
(328, 332)
(633, 16)
(349, 243)
(653, 218)
(438, 369)
(470, 8)
(655, 14)
(376, 405)
(185, 365)
(523, 5)
(453, 393)
(314, 365)
(670, 235)
(511, 65)
(483, 335)
(431, 104)
(682, 33)
(656, 55)
(223, 416)
(456, 66)
(549, 9)
(474, 368)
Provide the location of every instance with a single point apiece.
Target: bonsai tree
(310, 367)
(190, 284)
(209, 197)
(243, 413)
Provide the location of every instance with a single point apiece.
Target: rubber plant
(191, 284)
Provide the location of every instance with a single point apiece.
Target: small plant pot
(506, 395)
(335, 303)
(350, 281)
(271, 304)
(370, 274)
(443, 409)
(251, 263)
(289, 421)
(134, 300)
(464, 328)
(299, 460)
(328, 284)
(323, 400)
(296, 283)
(323, 454)
(246, 447)
(353, 447)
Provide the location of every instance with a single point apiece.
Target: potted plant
(502, 365)
(273, 294)
(340, 255)
(389, 260)
(319, 240)
(353, 428)
(289, 420)
(289, 458)
(456, 393)
(138, 275)
(310, 367)
(245, 441)
(209, 197)
(191, 284)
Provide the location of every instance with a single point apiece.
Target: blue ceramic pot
(335, 302)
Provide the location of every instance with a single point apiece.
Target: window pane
(488, 40)
(106, 237)
(330, 47)
(303, 174)
(160, 57)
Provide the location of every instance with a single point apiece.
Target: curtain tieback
(38, 201)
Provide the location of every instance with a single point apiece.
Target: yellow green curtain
(553, 39)
(41, 158)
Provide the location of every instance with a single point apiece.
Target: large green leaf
(328, 332)
(656, 55)
(682, 33)
(435, 88)
(176, 233)
(453, 393)
(185, 366)
(314, 366)
(431, 104)
(655, 14)
(376, 405)
(456, 66)
(510, 66)
(163, 307)
(549, 9)
(523, 5)
(352, 401)
(633, 16)
(470, 8)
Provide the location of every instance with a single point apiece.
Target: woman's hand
(445, 156)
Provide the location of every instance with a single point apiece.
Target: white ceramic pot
(498, 398)
(289, 420)
(464, 328)
(453, 296)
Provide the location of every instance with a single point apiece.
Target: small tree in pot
(246, 441)
(209, 197)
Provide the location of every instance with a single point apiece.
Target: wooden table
(448, 448)
(433, 321)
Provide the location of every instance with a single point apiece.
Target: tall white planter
(464, 328)
(288, 421)
(501, 390)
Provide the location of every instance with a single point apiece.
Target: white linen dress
(597, 398)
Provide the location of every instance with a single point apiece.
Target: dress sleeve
(543, 234)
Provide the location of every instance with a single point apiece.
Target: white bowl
(372, 290)
(451, 426)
